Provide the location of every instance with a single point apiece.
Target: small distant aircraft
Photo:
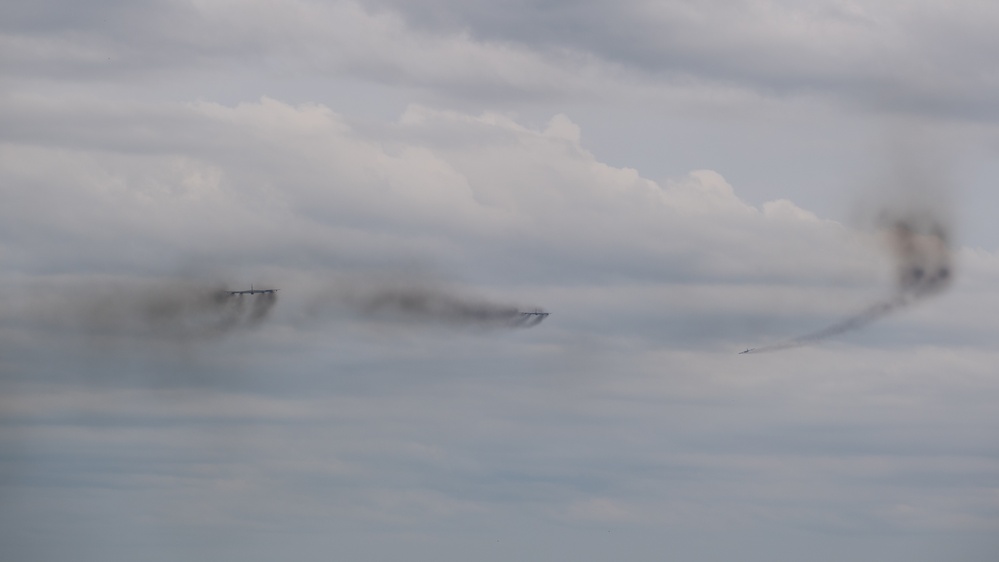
(540, 314)
(747, 351)
(528, 319)
(253, 291)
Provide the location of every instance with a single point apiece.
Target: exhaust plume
(920, 247)
(189, 310)
(174, 310)
(418, 302)
(912, 212)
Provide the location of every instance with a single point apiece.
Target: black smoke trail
(427, 304)
(175, 309)
(924, 267)
(405, 300)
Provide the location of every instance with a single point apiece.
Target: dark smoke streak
(176, 310)
(869, 315)
(923, 268)
(186, 310)
(435, 305)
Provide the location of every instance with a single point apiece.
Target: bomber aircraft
(252, 291)
(529, 319)
(539, 313)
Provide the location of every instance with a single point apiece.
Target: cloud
(911, 57)
(649, 173)
(885, 54)
(110, 42)
(627, 409)
(299, 185)
(300, 197)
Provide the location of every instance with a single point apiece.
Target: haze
(674, 181)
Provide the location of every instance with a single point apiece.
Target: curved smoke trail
(924, 266)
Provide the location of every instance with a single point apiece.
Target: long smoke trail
(188, 310)
(417, 302)
(170, 310)
(924, 266)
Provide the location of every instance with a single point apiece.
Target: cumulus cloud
(298, 193)
(295, 183)
(300, 197)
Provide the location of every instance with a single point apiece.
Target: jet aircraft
(540, 314)
(528, 319)
(253, 291)
(747, 351)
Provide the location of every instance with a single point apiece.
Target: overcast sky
(674, 181)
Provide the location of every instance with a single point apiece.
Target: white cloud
(255, 167)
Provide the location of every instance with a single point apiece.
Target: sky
(674, 181)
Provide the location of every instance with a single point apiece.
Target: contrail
(924, 267)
